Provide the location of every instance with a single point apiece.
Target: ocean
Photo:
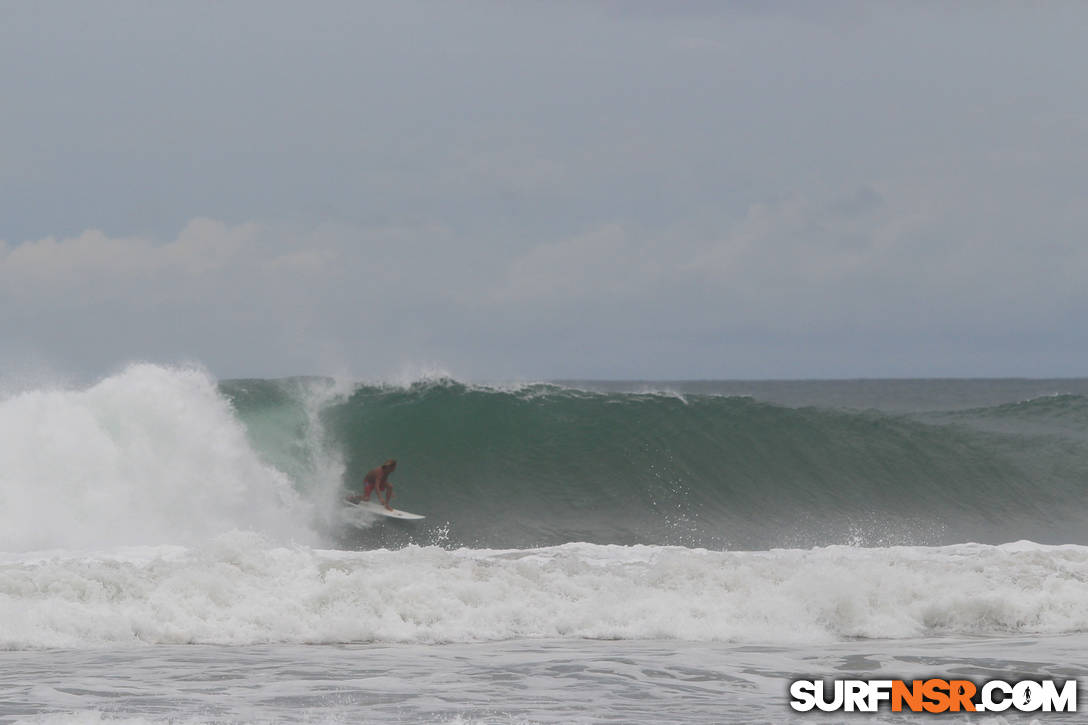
(174, 548)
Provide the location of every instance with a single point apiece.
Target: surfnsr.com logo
(934, 695)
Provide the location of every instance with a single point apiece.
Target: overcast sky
(526, 190)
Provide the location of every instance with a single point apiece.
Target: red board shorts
(369, 488)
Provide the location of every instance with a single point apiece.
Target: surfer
(378, 478)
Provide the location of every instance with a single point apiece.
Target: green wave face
(544, 465)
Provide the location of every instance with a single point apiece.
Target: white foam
(94, 717)
(326, 475)
(151, 455)
(238, 589)
(409, 374)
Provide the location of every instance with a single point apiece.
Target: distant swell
(543, 465)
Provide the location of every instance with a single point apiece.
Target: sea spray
(151, 455)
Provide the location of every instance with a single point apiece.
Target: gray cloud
(545, 190)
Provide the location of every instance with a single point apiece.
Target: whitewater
(173, 549)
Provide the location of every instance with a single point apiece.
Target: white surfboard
(376, 508)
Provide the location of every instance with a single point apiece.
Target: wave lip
(237, 590)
